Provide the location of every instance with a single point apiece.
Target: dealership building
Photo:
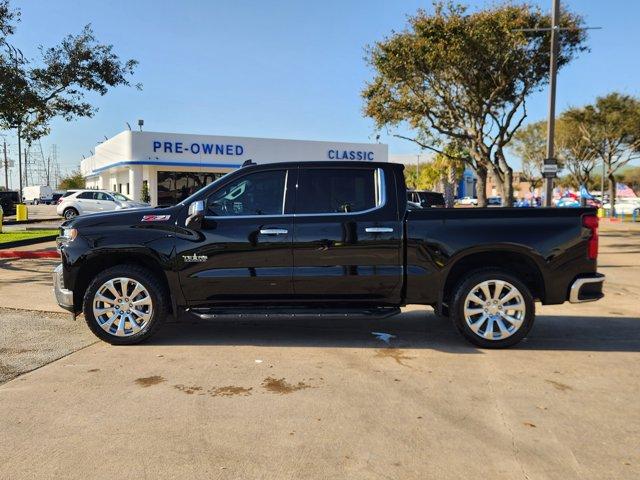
(174, 165)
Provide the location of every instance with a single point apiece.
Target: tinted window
(174, 187)
(260, 193)
(103, 196)
(431, 199)
(86, 195)
(336, 190)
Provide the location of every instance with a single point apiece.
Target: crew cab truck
(324, 237)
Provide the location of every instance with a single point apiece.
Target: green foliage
(453, 75)
(631, 176)
(74, 180)
(144, 194)
(15, 235)
(31, 95)
(610, 129)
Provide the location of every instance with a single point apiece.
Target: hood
(125, 216)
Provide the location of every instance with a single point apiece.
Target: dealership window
(115, 187)
(173, 187)
(336, 190)
(127, 189)
(119, 188)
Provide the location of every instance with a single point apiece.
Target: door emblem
(194, 258)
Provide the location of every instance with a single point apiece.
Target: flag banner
(623, 190)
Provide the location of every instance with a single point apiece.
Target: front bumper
(64, 297)
(586, 289)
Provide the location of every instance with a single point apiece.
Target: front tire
(493, 309)
(125, 305)
(70, 213)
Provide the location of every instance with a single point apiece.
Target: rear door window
(336, 190)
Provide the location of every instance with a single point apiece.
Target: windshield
(212, 185)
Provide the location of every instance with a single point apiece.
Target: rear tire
(70, 213)
(492, 309)
(125, 305)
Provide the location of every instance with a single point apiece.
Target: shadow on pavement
(415, 329)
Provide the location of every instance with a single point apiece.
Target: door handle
(378, 229)
(273, 231)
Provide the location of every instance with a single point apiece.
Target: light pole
(550, 168)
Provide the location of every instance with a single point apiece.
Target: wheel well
(517, 264)
(97, 264)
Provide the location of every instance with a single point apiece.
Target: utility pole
(550, 168)
(602, 184)
(6, 166)
(19, 166)
(26, 168)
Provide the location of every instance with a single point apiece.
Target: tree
(631, 176)
(144, 194)
(453, 75)
(31, 95)
(572, 152)
(74, 180)
(611, 130)
(529, 144)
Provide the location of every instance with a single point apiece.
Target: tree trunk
(449, 190)
(612, 193)
(481, 186)
(504, 177)
(507, 200)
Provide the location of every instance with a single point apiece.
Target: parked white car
(82, 202)
(468, 201)
(625, 206)
(36, 194)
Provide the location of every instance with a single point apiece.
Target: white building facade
(171, 166)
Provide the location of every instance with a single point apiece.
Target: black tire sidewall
(463, 289)
(148, 280)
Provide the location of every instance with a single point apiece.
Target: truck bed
(552, 239)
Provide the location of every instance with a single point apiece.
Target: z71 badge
(155, 218)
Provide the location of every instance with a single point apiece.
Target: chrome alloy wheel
(122, 307)
(494, 309)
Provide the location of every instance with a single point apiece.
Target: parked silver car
(82, 202)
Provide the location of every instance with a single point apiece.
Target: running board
(292, 312)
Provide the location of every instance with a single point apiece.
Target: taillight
(591, 222)
(59, 200)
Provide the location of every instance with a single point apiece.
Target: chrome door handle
(378, 229)
(273, 231)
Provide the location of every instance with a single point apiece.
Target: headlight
(69, 233)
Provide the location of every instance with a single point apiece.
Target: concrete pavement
(319, 399)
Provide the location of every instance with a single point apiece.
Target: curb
(27, 254)
(32, 221)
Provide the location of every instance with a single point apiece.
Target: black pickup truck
(328, 238)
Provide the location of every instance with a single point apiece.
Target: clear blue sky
(285, 69)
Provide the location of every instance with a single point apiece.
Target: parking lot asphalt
(309, 398)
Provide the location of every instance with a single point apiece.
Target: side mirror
(196, 215)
